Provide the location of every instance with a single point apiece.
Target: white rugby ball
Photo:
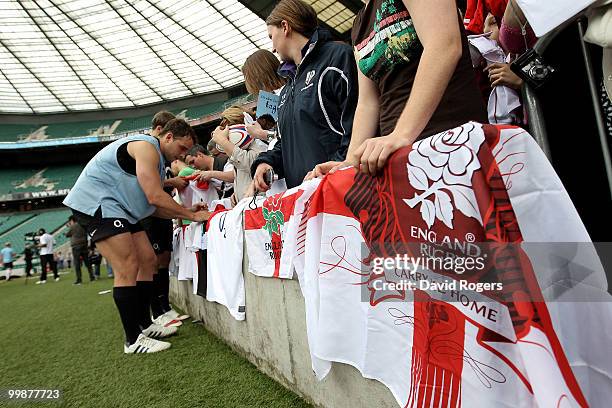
(238, 136)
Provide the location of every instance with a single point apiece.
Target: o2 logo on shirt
(308, 82)
(309, 77)
(283, 99)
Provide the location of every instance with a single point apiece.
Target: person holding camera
(28, 255)
(516, 37)
(78, 243)
(415, 79)
(95, 260)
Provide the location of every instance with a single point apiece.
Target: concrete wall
(273, 338)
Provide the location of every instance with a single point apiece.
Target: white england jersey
(269, 253)
(188, 264)
(192, 194)
(191, 251)
(225, 237)
(174, 256)
(196, 232)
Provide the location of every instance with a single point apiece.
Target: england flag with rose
(534, 336)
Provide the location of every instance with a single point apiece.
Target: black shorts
(8, 265)
(99, 228)
(159, 231)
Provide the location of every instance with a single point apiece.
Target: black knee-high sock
(156, 302)
(126, 299)
(145, 292)
(164, 289)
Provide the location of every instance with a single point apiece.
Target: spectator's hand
(256, 130)
(373, 153)
(199, 207)
(234, 200)
(201, 216)
(258, 180)
(219, 134)
(177, 182)
(322, 169)
(204, 175)
(501, 74)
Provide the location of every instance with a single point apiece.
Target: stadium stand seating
(197, 112)
(17, 132)
(63, 176)
(131, 124)
(10, 177)
(11, 133)
(51, 221)
(9, 222)
(75, 129)
(30, 180)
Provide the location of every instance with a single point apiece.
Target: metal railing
(534, 109)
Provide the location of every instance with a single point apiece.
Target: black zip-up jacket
(316, 110)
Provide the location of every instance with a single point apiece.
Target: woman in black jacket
(318, 102)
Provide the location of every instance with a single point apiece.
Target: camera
(532, 69)
(31, 238)
(269, 177)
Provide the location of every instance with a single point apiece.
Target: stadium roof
(336, 15)
(74, 55)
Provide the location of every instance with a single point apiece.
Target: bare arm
(437, 25)
(221, 137)
(227, 176)
(147, 163)
(176, 182)
(197, 216)
(365, 124)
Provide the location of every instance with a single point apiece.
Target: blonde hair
(260, 72)
(300, 16)
(234, 115)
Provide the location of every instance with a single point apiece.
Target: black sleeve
(272, 157)
(342, 90)
(219, 163)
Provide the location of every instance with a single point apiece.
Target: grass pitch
(61, 336)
